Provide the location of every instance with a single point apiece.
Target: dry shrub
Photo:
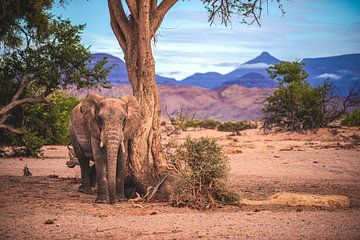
(236, 127)
(204, 168)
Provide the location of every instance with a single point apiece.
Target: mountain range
(226, 103)
(237, 95)
(342, 71)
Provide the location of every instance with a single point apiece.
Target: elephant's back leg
(85, 185)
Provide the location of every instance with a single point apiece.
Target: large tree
(134, 23)
(39, 54)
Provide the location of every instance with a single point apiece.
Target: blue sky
(188, 44)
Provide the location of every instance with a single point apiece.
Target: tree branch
(118, 34)
(133, 7)
(117, 14)
(159, 15)
(20, 90)
(10, 129)
(153, 7)
(14, 104)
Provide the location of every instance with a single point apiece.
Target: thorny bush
(204, 168)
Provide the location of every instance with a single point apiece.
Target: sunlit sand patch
(302, 199)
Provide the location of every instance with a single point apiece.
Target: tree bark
(147, 165)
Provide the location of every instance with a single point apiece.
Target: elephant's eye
(99, 120)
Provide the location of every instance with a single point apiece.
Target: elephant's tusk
(122, 147)
(101, 144)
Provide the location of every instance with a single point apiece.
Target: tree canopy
(40, 54)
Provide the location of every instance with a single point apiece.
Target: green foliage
(287, 72)
(352, 120)
(235, 126)
(42, 124)
(295, 105)
(16, 16)
(209, 123)
(32, 143)
(40, 55)
(50, 122)
(56, 62)
(189, 123)
(205, 168)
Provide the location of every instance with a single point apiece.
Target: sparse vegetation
(235, 127)
(209, 123)
(296, 105)
(352, 120)
(205, 168)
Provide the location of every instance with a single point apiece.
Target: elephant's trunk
(112, 149)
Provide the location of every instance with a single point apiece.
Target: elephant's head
(112, 121)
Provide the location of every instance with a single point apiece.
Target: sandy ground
(326, 162)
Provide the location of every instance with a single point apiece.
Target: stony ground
(326, 162)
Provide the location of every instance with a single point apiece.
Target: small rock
(53, 176)
(49, 221)
(276, 156)
(315, 162)
(153, 213)
(256, 210)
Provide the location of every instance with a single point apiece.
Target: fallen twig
(157, 187)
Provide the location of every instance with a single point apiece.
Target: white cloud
(329, 75)
(254, 66)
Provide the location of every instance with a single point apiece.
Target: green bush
(352, 120)
(50, 122)
(295, 105)
(41, 124)
(235, 126)
(194, 123)
(209, 123)
(205, 168)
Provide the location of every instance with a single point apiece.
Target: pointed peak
(265, 54)
(264, 57)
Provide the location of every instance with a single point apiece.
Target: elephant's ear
(89, 108)
(133, 115)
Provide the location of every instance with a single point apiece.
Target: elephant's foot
(85, 189)
(121, 198)
(102, 200)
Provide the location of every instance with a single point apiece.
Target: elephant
(74, 161)
(101, 129)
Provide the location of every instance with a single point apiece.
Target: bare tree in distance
(135, 29)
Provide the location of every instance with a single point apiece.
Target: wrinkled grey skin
(101, 129)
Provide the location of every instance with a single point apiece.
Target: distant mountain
(253, 79)
(207, 80)
(264, 57)
(227, 103)
(257, 65)
(165, 80)
(119, 73)
(342, 71)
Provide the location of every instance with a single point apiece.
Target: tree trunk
(147, 164)
(134, 32)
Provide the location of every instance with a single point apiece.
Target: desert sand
(316, 164)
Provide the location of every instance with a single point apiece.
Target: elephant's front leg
(120, 172)
(101, 171)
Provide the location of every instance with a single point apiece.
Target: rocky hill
(227, 103)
